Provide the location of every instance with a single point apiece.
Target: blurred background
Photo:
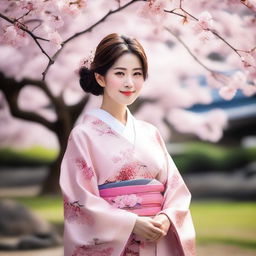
(200, 94)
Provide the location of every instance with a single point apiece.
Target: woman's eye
(119, 73)
(138, 74)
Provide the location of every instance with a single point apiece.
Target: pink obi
(141, 196)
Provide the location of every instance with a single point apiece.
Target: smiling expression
(124, 80)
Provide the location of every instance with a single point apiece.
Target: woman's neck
(119, 112)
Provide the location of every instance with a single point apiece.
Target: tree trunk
(62, 130)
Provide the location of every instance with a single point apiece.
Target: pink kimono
(97, 154)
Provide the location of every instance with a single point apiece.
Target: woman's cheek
(139, 84)
(115, 82)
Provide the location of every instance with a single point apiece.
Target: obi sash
(141, 196)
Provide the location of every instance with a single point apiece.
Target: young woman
(123, 194)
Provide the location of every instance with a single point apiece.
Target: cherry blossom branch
(84, 32)
(188, 50)
(21, 26)
(211, 30)
(248, 5)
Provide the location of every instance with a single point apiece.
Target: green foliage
(197, 157)
(201, 157)
(27, 157)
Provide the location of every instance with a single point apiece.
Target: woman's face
(124, 80)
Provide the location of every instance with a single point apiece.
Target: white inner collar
(124, 129)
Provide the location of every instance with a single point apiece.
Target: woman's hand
(165, 224)
(148, 228)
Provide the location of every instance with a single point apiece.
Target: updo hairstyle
(107, 52)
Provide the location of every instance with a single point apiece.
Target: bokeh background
(200, 94)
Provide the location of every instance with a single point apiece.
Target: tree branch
(84, 32)
(188, 50)
(196, 19)
(11, 90)
(23, 27)
(76, 109)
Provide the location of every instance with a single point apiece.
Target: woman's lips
(128, 93)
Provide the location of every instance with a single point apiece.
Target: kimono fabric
(99, 160)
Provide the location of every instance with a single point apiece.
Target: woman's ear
(100, 79)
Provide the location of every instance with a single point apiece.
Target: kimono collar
(123, 129)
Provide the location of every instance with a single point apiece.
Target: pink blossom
(55, 21)
(10, 35)
(205, 22)
(237, 81)
(249, 90)
(55, 39)
(86, 62)
(73, 8)
(227, 92)
(153, 10)
(248, 60)
(218, 117)
(32, 5)
(205, 36)
(207, 127)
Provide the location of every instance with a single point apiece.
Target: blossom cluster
(129, 201)
(44, 18)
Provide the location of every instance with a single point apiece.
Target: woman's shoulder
(83, 127)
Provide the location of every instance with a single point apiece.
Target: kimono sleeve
(176, 207)
(92, 225)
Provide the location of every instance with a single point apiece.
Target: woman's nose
(128, 81)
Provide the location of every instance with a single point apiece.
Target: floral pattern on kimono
(87, 250)
(95, 155)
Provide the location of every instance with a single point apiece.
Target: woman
(123, 194)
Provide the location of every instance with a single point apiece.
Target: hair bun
(84, 72)
(88, 81)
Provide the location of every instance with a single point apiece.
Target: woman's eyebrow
(126, 69)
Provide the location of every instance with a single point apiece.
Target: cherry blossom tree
(43, 43)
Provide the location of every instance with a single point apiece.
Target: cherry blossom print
(132, 247)
(127, 201)
(86, 170)
(131, 171)
(124, 155)
(102, 128)
(127, 172)
(179, 218)
(175, 180)
(130, 252)
(89, 250)
(190, 247)
(75, 212)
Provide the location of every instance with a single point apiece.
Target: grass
(220, 222)
(231, 223)
(31, 156)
